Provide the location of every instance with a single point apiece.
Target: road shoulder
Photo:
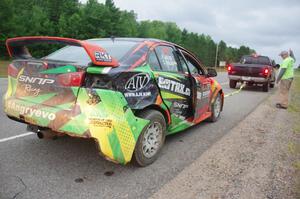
(259, 158)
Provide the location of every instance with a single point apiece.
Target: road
(71, 167)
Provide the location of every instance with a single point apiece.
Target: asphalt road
(71, 167)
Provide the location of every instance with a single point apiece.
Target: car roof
(134, 39)
(140, 40)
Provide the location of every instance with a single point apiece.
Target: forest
(71, 18)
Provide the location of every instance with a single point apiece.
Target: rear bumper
(248, 79)
(110, 121)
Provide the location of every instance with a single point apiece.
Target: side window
(153, 61)
(183, 65)
(167, 58)
(193, 65)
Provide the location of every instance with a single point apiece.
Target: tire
(265, 87)
(272, 85)
(146, 153)
(216, 108)
(232, 83)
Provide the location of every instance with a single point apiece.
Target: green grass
(3, 68)
(295, 94)
(294, 145)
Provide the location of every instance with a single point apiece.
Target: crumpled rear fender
(98, 113)
(111, 122)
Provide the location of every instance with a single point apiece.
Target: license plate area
(246, 78)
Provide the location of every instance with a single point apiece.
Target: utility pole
(216, 60)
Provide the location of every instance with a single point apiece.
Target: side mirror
(211, 72)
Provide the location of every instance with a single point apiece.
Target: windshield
(117, 49)
(255, 60)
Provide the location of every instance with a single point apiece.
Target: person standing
(285, 78)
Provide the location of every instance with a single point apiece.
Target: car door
(174, 84)
(203, 88)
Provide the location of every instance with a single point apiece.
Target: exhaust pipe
(47, 134)
(42, 132)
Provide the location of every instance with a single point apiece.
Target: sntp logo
(35, 80)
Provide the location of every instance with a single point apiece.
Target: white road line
(15, 137)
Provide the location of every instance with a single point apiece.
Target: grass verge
(294, 145)
(3, 68)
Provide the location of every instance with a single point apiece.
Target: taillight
(266, 71)
(71, 79)
(229, 67)
(12, 70)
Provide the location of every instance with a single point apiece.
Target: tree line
(70, 18)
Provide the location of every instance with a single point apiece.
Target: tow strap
(236, 92)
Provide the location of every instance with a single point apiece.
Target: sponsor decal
(137, 82)
(138, 94)
(102, 57)
(202, 95)
(28, 111)
(35, 80)
(173, 86)
(31, 90)
(199, 95)
(100, 122)
(94, 98)
(180, 105)
(179, 116)
(205, 94)
(206, 87)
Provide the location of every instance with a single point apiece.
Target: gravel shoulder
(259, 158)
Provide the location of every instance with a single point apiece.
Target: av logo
(137, 82)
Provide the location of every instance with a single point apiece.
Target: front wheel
(216, 108)
(151, 139)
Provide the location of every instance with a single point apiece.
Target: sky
(268, 26)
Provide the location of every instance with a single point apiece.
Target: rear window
(117, 49)
(255, 60)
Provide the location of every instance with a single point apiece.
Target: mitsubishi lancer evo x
(125, 93)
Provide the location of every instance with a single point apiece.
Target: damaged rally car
(125, 93)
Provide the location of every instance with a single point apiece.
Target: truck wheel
(265, 87)
(232, 83)
(151, 139)
(216, 108)
(272, 85)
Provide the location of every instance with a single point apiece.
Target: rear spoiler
(99, 56)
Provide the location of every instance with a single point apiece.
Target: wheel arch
(165, 113)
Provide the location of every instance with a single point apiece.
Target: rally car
(126, 93)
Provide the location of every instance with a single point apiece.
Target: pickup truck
(253, 70)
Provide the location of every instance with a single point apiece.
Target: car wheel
(151, 139)
(216, 108)
(272, 85)
(232, 83)
(265, 87)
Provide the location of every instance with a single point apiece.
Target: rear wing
(99, 56)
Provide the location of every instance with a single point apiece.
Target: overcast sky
(267, 26)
